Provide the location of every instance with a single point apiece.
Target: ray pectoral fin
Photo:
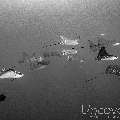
(39, 65)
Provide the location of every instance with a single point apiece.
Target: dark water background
(56, 93)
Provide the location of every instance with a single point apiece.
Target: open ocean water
(57, 91)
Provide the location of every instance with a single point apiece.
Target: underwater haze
(57, 91)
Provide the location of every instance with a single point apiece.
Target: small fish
(69, 52)
(39, 65)
(34, 62)
(29, 59)
(63, 41)
(116, 44)
(66, 41)
(26, 58)
(11, 74)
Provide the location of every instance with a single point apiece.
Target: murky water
(57, 91)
